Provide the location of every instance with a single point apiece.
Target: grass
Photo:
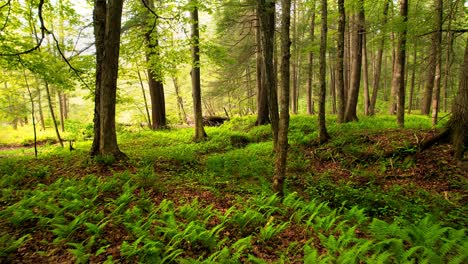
(176, 201)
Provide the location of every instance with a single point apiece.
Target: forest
(233, 131)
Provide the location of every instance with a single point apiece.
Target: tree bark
(365, 73)
(323, 134)
(399, 73)
(148, 117)
(294, 63)
(340, 83)
(262, 92)
(180, 101)
(267, 28)
(110, 66)
(438, 61)
(99, 19)
(200, 133)
(333, 86)
(155, 83)
(413, 79)
(378, 62)
(352, 101)
(310, 75)
(33, 112)
(429, 87)
(52, 114)
(282, 146)
(61, 98)
(39, 106)
(459, 119)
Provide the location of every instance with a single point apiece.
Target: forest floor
(366, 196)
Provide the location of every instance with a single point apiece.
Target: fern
(9, 244)
(270, 230)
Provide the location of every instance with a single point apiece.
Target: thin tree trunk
(52, 114)
(282, 145)
(430, 73)
(323, 134)
(39, 104)
(332, 86)
(399, 77)
(200, 133)
(378, 63)
(180, 101)
(351, 105)
(413, 78)
(310, 75)
(365, 74)
(62, 110)
(294, 61)
(148, 117)
(448, 66)
(340, 83)
(438, 62)
(32, 112)
(394, 89)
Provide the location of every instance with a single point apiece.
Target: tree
(107, 17)
(310, 74)
(340, 84)
(378, 62)
(457, 127)
(351, 104)
(266, 10)
(438, 60)
(262, 92)
(155, 75)
(399, 71)
(323, 134)
(282, 145)
(200, 133)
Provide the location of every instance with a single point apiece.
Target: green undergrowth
(176, 201)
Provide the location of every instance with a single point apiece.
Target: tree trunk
(332, 87)
(200, 133)
(340, 83)
(394, 89)
(155, 76)
(438, 61)
(294, 63)
(33, 112)
(267, 28)
(62, 110)
(448, 66)
(110, 66)
(99, 19)
(148, 117)
(262, 92)
(413, 78)
(459, 120)
(378, 63)
(352, 101)
(282, 145)
(39, 106)
(323, 134)
(180, 101)
(430, 73)
(310, 75)
(399, 73)
(365, 72)
(52, 114)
